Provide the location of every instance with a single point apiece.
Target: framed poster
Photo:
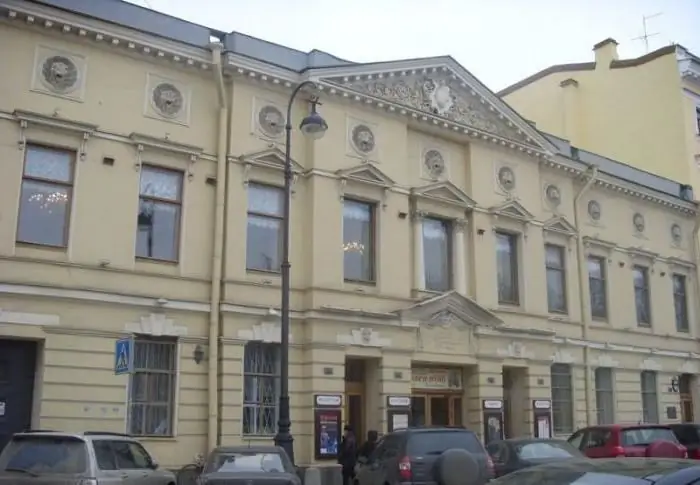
(327, 433)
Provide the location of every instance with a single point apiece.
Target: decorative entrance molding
(365, 337)
(22, 318)
(157, 325)
(267, 332)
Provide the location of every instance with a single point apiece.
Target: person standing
(368, 446)
(347, 455)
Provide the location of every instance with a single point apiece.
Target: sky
(498, 41)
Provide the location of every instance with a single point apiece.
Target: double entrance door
(430, 409)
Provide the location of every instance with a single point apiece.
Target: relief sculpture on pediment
(445, 332)
(439, 96)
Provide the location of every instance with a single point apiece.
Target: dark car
(517, 453)
(689, 436)
(612, 471)
(257, 465)
(634, 440)
(421, 455)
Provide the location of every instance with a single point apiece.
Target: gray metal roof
(175, 29)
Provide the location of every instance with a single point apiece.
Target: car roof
(633, 467)
(527, 440)
(629, 426)
(248, 449)
(434, 429)
(84, 435)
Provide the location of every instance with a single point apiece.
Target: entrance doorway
(686, 395)
(436, 410)
(355, 374)
(513, 398)
(17, 369)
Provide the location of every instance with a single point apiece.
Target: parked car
(244, 465)
(638, 440)
(87, 458)
(688, 434)
(630, 471)
(427, 455)
(517, 453)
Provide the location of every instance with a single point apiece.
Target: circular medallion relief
(271, 120)
(638, 221)
(506, 178)
(168, 100)
(676, 233)
(553, 195)
(434, 163)
(59, 74)
(363, 139)
(594, 210)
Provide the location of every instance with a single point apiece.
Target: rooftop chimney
(605, 53)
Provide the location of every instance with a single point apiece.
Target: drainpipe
(217, 257)
(582, 293)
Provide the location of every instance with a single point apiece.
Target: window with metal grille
(562, 399)
(650, 397)
(152, 387)
(604, 395)
(261, 376)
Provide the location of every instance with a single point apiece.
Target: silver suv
(85, 458)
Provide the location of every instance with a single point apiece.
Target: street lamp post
(314, 126)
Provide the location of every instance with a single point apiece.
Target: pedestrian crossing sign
(124, 356)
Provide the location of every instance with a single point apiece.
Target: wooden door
(354, 409)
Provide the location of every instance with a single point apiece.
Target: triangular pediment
(447, 308)
(366, 173)
(513, 210)
(445, 192)
(270, 158)
(438, 88)
(561, 225)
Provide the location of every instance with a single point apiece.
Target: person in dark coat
(347, 455)
(368, 446)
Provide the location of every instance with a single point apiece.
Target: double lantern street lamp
(313, 126)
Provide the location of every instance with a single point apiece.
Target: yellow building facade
(644, 111)
(444, 252)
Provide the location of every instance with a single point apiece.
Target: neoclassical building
(447, 257)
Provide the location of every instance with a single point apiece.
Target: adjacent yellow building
(444, 252)
(644, 111)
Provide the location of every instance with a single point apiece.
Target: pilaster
(418, 260)
(460, 256)
(484, 382)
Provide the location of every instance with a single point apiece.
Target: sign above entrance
(328, 400)
(443, 379)
(398, 401)
(124, 356)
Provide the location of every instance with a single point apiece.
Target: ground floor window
(562, 399)
(261, 376)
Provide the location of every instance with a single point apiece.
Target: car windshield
(41, 455)
(645, 436)
(247, 462)
(434, 443)
(545, 449)
(630, 471)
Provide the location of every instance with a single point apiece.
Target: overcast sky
(499, 41)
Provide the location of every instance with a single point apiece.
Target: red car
(619, 440)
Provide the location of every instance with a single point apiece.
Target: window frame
(264, 215)
(562, 272)
(652, 394)
(646, 290)
(568, 403)
(448, 227)
(684, 326)
(601, 415)
(160, 201)
(372, 207)
(602, 263)
(514, 245)
(69, 186)
(258, 345)
(173, 373)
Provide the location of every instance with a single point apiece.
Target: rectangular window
(604, 395)
(152, 387)
(47, 191)
(437, 254)
(261, 381)
(264, 231)
(160, 209)
(597, 285)
(555, 265)
(507, 266)
(358, 241)
(641, 295)
(562, 399)
(680, 302)
(650, 398)
(697, 120)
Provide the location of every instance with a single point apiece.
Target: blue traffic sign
(124, 356)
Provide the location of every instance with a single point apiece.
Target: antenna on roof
(646, 35)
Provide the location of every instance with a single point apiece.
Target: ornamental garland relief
(553, 195)
(362, 139)
(434, 163)
(594, 210)
(506, 178)
(638, 222)
(59, 73)
(167, 100)
(676, 234)
(270, 120)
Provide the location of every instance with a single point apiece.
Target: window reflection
(556, 278)
(264, 233)
(47, 186)
(160, 205)
(596, 283)
(641, 295)
(507, 263)
(436, 254)
(358, 240)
